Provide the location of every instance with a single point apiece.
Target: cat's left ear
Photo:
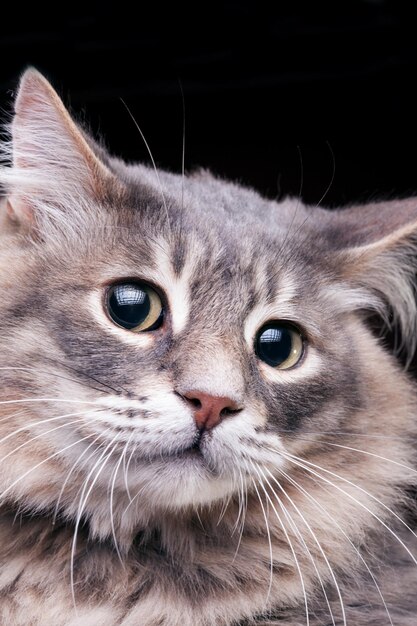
(52, 161)
(377, 256)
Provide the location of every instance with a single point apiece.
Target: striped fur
(302, 503)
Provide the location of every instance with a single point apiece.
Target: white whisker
(52, 456)
(341, 433)
(302, 463)
(377, 456)
(200, 521)
(73, 468)
(225, 504)
(239, 489)
(289, 542)
(183, 147)
(243, 506)
(308, 526)
(126, 466)
(38, 423)
(23, 400)
(51, 430)
(271, 557)
(83, 502)
(324, 510)
(158, 178)
(61, 376)
(127, 471)
(113, 482)
(137, 494)
(365, 491)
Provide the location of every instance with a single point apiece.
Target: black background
(280, 96)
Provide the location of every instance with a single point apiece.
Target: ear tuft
(51, 160)
(378, 259)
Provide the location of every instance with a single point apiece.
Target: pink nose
(209, 410)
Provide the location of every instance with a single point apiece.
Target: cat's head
(170, 342)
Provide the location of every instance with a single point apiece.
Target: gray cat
(198, 426)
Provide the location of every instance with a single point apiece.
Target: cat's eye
(279, 344)
(135, 306)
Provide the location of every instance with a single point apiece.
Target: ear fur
(379, 259)
(52, 163)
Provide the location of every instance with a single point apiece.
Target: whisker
(73, 468)
(183, 146)
(239, 488)
(306, 523)
(86, 375)
(243, 506)
(370, 495)
(302, 464)
(51, 430)
(271, 570)
(126, 467)
(300, 193)
(200, 521)
(23, 400)
(301, 243)
(113, 529)
(332, 177)
(38, 423)
(83, 501)
(48, 372)
(127, 470)
(346, 433)
(10, 416)
(136, 496)
(289, 542)
(151, 157)
(317, 504)
(378, 456)
(52, 456)
(225, 504)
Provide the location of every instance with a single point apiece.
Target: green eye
(135, 306)
(279, 344)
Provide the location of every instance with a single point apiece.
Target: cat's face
(129, 310)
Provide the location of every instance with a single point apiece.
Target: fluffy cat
(199, 425)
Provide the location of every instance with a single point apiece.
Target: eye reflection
(271, 335)
(135, 306)
(279, 344)
(128, 295)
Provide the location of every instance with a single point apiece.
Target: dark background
(279, 96)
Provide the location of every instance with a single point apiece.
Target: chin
(183, 482)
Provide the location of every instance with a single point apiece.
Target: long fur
(299, 506)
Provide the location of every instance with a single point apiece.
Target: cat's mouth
(196, 452)
(193, 452)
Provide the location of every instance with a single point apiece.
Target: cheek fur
(312, 402)
(115, 507)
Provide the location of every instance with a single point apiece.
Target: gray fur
(161, 537)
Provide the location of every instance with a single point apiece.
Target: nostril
(190, 399)
(229, 411)
(195, 402)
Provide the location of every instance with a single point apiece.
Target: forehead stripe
(176, 287)
(179, 299)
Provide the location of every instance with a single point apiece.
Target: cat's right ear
(52, 163)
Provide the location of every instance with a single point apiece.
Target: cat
(199, 422)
